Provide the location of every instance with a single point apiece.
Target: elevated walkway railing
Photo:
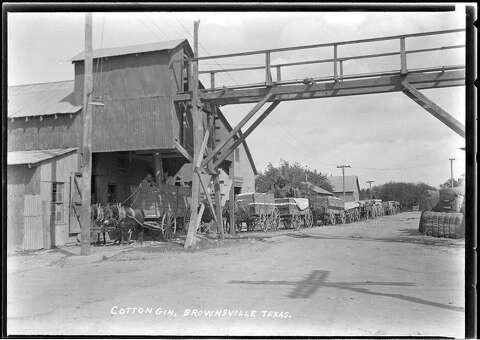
(337, 61)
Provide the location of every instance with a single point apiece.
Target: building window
(58, 202)
(237, 155)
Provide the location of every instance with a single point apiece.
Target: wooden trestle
(207, 157)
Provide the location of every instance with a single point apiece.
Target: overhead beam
(433, 108)
(240, 140)
(380, 84)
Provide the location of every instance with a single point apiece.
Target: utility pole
(451, 171)
(370, 190)
(343, 177)
(86, 143)
(197, 141)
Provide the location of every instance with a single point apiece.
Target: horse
(98, 217)
(129, 220)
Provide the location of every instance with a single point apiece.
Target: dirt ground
(371, 278)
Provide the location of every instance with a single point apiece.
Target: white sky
(384, 137)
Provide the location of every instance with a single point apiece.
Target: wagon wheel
(308, 218)
(263, 222)
(333, 218)
(296, 221)
(168, 225)
(274, 219)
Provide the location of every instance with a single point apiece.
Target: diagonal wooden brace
(245, 134)
(433, 108)
(209, 199)
(237, 128)
(202, 149)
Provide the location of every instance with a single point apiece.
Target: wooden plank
(207, 194)
(184, 152)
(381, 84)
(202, 148)
(232, 199)
(345, 42)
(218, 203)
(433, 108)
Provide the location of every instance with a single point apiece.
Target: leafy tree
(289, 175)
(447, 184)
(408, 194)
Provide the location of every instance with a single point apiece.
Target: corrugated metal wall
(138, 107)
(50, 133)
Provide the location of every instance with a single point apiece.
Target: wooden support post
(212, 80)
(232, 199)
(46, 214)
(250, 129)
(403, 57)
(268, 73)
(279, 74)
(199, 216)
(158, 164)
(341, 69)
(86, 157)
(207, 194)
(335, 55)
(433, 108)
(218, 205)
(197, 141)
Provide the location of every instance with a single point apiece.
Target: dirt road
(375, 278)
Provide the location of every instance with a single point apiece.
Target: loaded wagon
(294, 212)
(166, 207)
(327, 210)
(256, 211)
(352, 212)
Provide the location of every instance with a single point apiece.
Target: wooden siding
(33, 228)
(49, 133)
(21, 181)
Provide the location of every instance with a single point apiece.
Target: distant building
(352, 188)
(314, 189)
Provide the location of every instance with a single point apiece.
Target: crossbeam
(433, 108)
(237, 128)
(330, 88)
(241, 140)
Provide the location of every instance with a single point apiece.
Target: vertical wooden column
(232, 199)
(216, 185)
(86, 149)
(197, 142)
(158, 164)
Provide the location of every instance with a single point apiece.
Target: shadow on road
(409, 236)
(317, 279)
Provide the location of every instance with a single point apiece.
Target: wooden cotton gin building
(137, 130)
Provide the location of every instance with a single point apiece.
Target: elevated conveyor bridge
(209, 155)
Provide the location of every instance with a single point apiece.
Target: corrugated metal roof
(41, 99)
(35, 156)
(132, 49)
(317, 189)
(350, 183)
